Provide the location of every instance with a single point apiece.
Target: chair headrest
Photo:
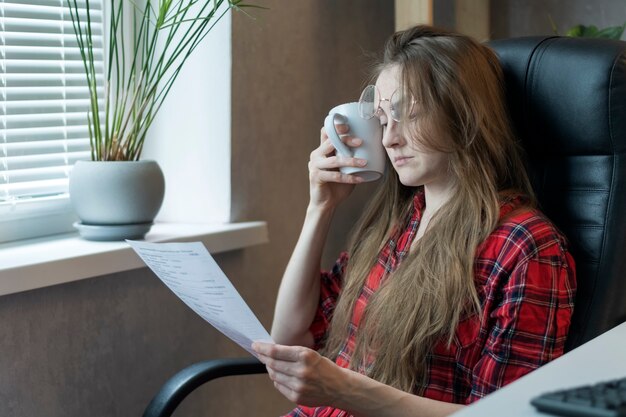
(571, 89)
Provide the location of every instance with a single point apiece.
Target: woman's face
(414, 164)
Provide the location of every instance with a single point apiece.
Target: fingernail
(339, 119)
(355, 141)
(361, 162)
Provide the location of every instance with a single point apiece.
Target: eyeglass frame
(378, 109)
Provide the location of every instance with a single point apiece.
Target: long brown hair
(457, 84)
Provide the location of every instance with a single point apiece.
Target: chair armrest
(176, 389)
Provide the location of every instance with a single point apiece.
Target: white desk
(600, 359)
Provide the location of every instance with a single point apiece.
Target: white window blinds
(44, 95)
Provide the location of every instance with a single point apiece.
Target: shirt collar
(419, 200)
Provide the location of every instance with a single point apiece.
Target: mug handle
(331, 131)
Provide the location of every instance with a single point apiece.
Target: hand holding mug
(351, 152)
(368, 130)
(328, 185)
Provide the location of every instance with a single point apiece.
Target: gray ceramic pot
(116, 193)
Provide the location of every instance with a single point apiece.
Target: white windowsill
(38, 263)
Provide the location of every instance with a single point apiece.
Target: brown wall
(102, 347)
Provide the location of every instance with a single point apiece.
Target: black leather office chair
(567, 99)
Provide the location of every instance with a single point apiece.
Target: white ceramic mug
(368, 130)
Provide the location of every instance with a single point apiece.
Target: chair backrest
(567, 100)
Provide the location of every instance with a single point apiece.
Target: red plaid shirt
(526, 283)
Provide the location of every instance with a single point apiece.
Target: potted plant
(117, 195)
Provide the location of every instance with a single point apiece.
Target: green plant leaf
(251, 6)
(553, 25)
(575, 31)
(612, 32)
(237, 4)
(591, 31)
(135, 90)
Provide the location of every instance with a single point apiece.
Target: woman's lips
(401, 160)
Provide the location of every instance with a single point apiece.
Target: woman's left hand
(307, 378)
(302, 375)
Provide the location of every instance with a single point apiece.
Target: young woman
(454, 283)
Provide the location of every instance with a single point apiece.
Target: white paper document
(193, 275)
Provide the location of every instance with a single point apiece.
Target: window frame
(24, 218)
(205, 199)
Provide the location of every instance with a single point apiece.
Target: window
(42, 113)
(43, 122)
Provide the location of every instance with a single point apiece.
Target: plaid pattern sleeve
(330, 287)
(528, 301)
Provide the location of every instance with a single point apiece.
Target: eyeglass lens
(370, 100)
(368, 103)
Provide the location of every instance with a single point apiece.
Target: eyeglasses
(400, 109)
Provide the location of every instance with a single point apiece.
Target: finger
(326, 148)
(282, 387)
(282, 367)
(350, 140)
(338, 177)
(342, 128)
(286, 391)
(339, 161)
(280, 352)
(262, 358)
(279, 366)
(261, 347)
(284, 378)
(323, 135)
(342, 131)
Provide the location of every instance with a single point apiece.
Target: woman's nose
(391, 135)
